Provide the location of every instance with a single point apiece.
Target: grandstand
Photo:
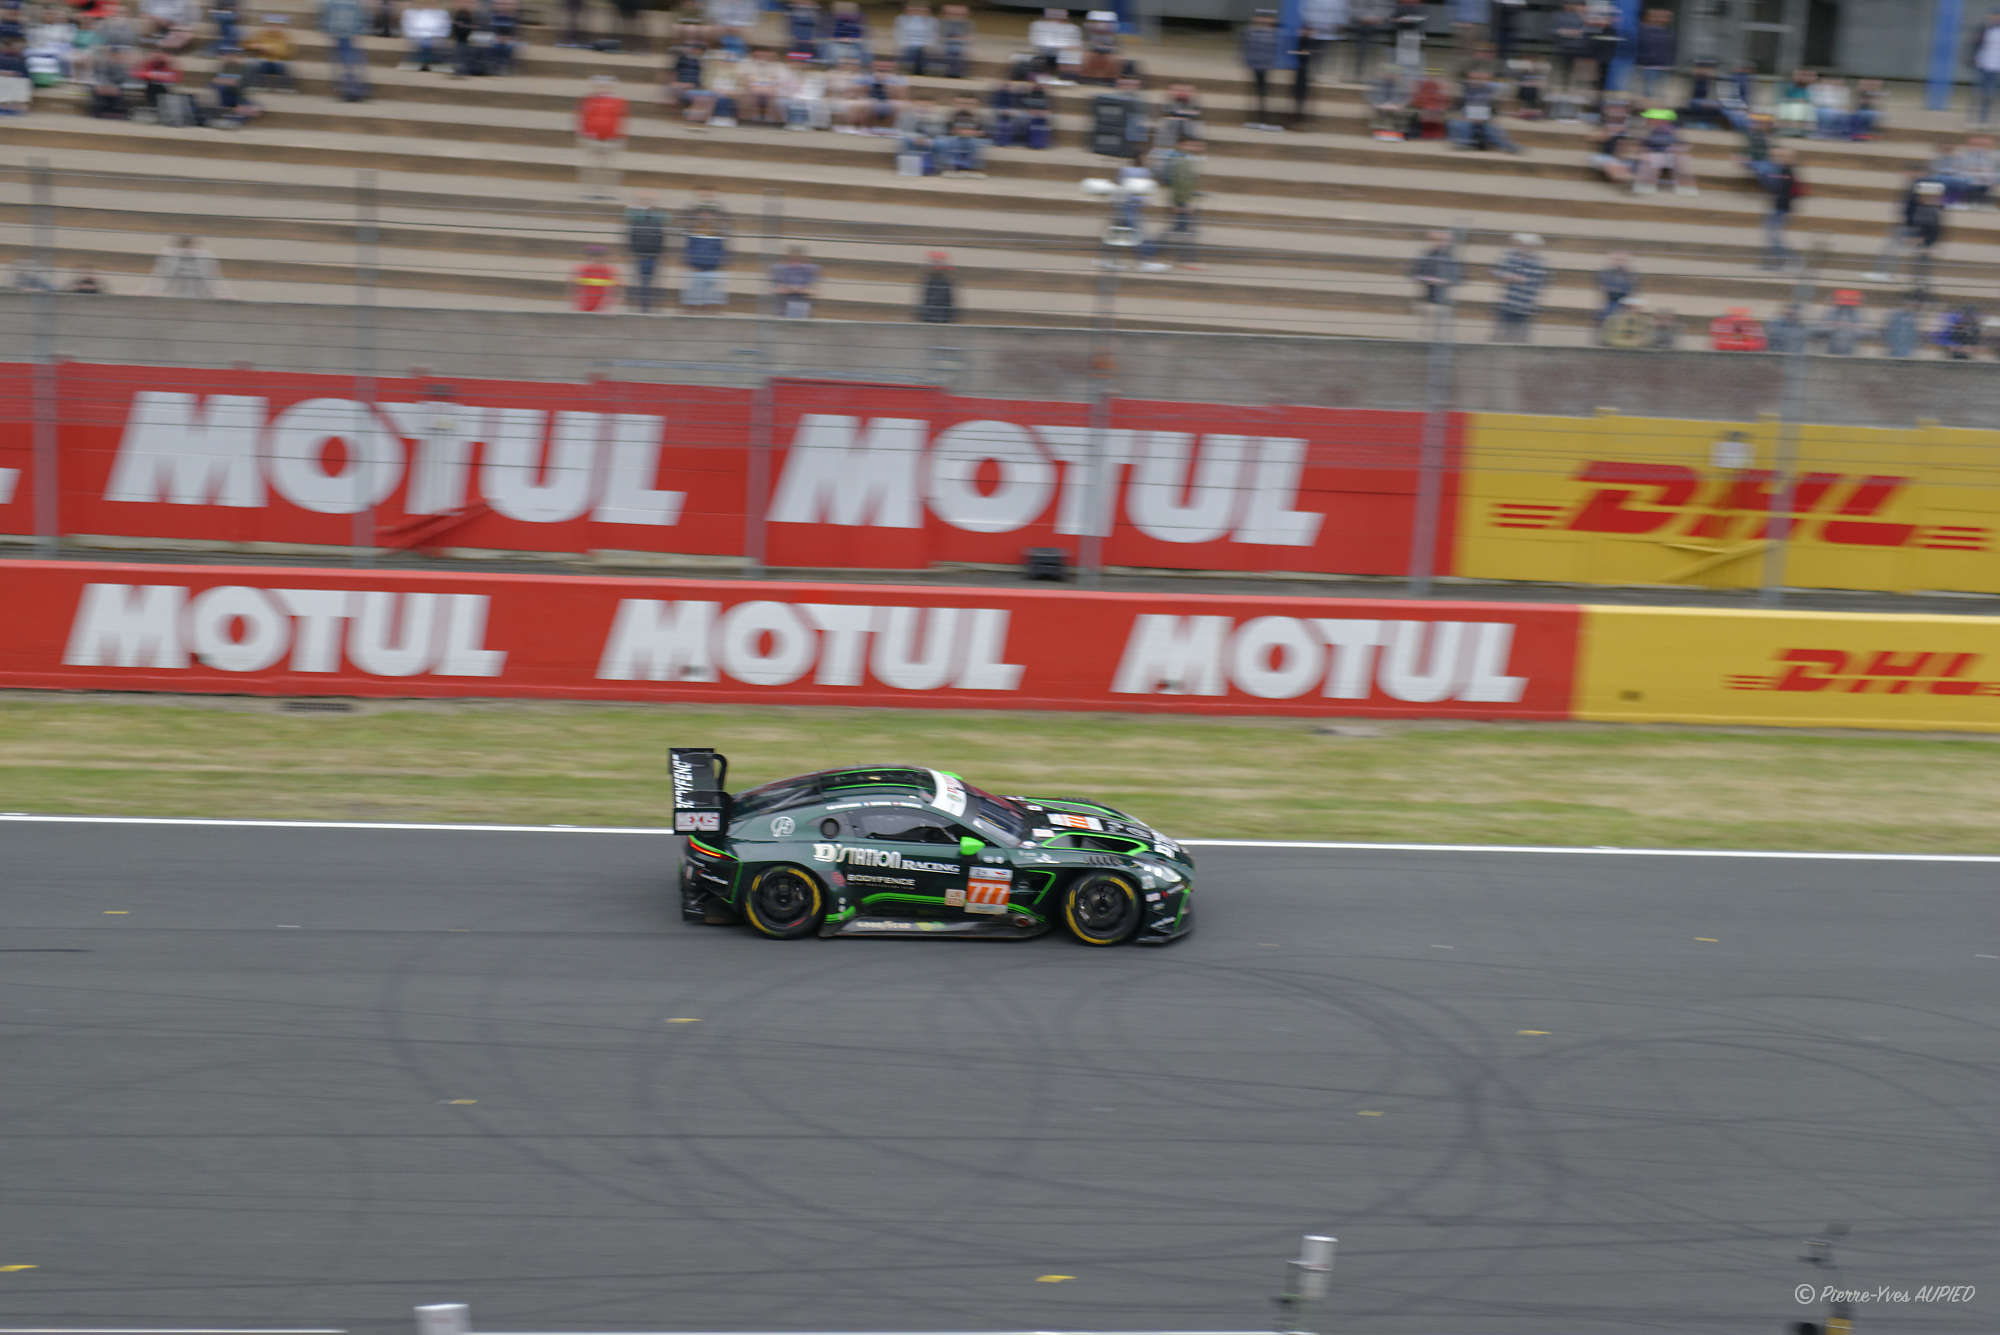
(1307, 232)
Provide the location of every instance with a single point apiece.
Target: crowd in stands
(133, 63)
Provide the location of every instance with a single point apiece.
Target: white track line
(1307, 845)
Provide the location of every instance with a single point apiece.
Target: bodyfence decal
(104, 625)
(861, 475)
(1826, 669)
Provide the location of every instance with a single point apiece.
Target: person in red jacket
(600, 135)
(595, 285)
(1735, 331)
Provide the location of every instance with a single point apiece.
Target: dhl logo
(1638, 499)
(1884, 672)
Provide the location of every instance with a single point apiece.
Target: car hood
(1081, 826)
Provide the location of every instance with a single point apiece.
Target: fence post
(1437, 426)
(47, 498)
(763, 409)
(1099, 505)
(1791, 409)
(366, 238)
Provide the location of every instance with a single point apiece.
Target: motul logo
(1000, 477)
(766, 643)
(335, 456)
(1880, 671)
(235, 628)
(1640, 499)
(1283, 658)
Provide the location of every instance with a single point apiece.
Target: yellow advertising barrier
(1634, 500)
(1819, 669)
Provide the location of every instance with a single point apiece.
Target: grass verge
(539, 763)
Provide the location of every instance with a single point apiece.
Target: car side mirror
(969, 847)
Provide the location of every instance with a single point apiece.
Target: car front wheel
(1102, 908)
(784, 902)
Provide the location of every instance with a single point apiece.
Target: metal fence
(1424, 402)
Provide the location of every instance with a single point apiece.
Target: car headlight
(1155, 876)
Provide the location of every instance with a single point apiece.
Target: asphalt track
(313, 1077)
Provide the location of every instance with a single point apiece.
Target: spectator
(808, 31)
(937, 292)
(1736, 331)
(107, 85)
(17, 91)
(572, 30)
(962, 152)
(1320, 25)
(1841, 325)
(594, 286)
(684, 91)
(734, 20)
(806, 102)
(1616, 283)
(426, 28)
(600, 136)
(234, 107)
(1971, 173)
(1179, 117)
(1437, 271)
(847, 33)
(916, 37)
(1407, 22)
(384, 24)
(1530, 78)
(503, 21)
(271, 54)
(1738, 92)
(158, 75)
(1919, 229)
(343, 21)
(1959, 333)
(86, 283)
(1102, 62)
(1182, 177)
(1021, 115)
(919, 131)
(1703, 106)
(1902, 329)
(1390, 117)
(1984, 56)
(1869, 100)
(1260, 57)
(1506, 24)
(631, 34)
(1662, 149)
(1569, 37)
(1832, 108)
(1756, 157)
(794, 283)
(1653, 52)
(1605, 43)
(725, 90)
(847, 93)
(765, 86)
(1469, 19)
(1522, 275)
(50, 52)
(1796, 113)
(1782, 189)
(1057, 44)
(705, 253)
(888, 98)
(185, 269)
(1477, 124)
(1138, 115)
(1367, 24)
(646, 226)
(955, 34)
(1430, 107)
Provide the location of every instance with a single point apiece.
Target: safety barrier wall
(263, 631)
(800, 473)
(111, 626)
(1626, 500)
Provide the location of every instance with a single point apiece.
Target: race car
(899, 850)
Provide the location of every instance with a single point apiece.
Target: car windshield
(995, 817)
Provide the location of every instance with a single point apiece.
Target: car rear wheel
(1102, 908)
(784, 902)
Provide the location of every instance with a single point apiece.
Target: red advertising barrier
(265, 631)
(858, 475)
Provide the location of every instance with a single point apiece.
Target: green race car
(894, 850)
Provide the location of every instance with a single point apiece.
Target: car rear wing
(701, 805)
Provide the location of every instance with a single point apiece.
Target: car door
(907, 863)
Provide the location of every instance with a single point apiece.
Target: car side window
(904, 826)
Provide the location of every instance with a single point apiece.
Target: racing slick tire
(784, 902)
(1102, 908)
